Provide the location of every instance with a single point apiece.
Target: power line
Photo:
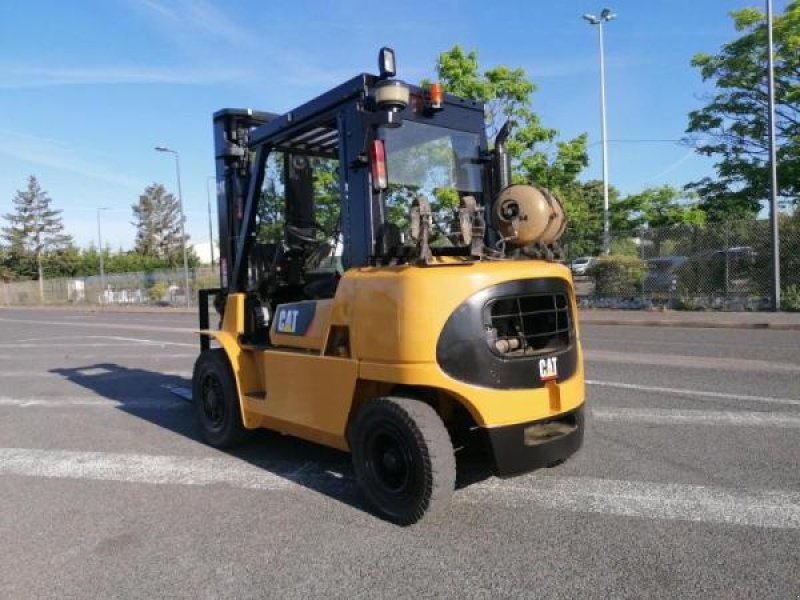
(640, 141)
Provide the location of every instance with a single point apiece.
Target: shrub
(617, 275)
(206, 282)
(157, 291)
(790, 299)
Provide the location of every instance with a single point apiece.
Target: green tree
(35, 228)
(660, 207)
(537, 155)
(157, 219)
(6, 272)
(732, 126)
(326, 194)
(272, 207)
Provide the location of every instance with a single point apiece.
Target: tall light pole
(183, 220)
(210, 228)
(605, 16)
(773, 169)
(100, 249)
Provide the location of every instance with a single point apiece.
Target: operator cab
(375, 172)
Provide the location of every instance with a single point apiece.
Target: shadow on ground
(146, 395)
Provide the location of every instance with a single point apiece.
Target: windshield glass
(439, 164)
(427, 158)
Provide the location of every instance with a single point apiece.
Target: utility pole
(773, 169)
(605, 16)
(100, 250)
(210, 228)
(183, 221)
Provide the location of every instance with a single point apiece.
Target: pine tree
(157, 219)
(34, 228)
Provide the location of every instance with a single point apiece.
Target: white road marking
(109, 355)
(663, 416)
(65, 337)
(688, 392)
(690, 362)
(155, 342)
(75, 345)
(137, 468)
(118, 341)
(682, 502)
(77, 371)
(73, 401)
(594, 338)
(671, 501)
(120, 325)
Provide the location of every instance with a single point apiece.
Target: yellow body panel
(314, 337)
(394, 316)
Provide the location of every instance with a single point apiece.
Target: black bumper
(520, 448)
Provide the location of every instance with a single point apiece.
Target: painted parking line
(691, 392)
(665, 416)
(76, 354)
(111, 341)
(75, 345)
(102, 373)
(778, 509)
(155, 342)
(137, 468)
(690, 362)
(92, 324)
(669, 501)
(77, 401)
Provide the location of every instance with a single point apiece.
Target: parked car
(662, 274)
(581, 265)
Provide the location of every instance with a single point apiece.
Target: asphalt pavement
(687, 486)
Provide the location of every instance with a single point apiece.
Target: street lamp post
(773, 169)
(210, 228)
(183, 220)
(605, 16)
(100, 249)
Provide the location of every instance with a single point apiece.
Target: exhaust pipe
(501, 166)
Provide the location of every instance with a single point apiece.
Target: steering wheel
(308, 234)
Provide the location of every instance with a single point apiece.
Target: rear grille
(522, 326)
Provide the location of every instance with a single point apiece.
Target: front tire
(216, 401)
(403, 458)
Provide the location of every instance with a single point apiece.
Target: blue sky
(88, 87)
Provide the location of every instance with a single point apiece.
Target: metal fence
(722, 266)
(156, 288)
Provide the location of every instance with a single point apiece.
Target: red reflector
(377, 158)
(435, 92)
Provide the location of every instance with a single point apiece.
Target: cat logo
(287, 321)
(548, 369)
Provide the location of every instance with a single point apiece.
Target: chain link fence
(156, 288)
(722, 266)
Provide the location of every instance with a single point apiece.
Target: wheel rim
(212, 402)
(390, 460)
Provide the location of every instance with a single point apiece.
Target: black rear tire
(403, 458)
(216, 401)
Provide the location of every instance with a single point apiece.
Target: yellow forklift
(428, 316)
